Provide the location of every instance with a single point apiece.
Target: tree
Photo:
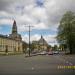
(66, 31)
(32, 46)
(55, 47)
(49, 47)
(25, 46)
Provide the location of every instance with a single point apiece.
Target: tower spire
(14, 28)
(41, 36)
(14, 34)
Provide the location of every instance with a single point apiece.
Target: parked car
(55, 52)
(43, 53)
(50, 53)
(34, 52)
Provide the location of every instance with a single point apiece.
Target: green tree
(66, 31)
(49, 47)
(55, 47)
(32, 46)
(25, 46)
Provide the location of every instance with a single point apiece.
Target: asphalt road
(37, 65)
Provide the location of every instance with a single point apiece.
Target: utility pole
(29, 38)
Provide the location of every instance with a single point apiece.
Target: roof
(42, 41)
(7, 37)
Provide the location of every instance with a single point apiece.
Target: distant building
(41, 44)
(12, 43)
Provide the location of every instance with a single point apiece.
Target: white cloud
(25, 12)
(35, 37)
(31, 14)
(6, 22)
(51, 39)
(28, 13)
(39, 13)
(40, 26)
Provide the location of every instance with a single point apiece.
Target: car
(34, 52)
(50, 53)
(55, 52)
(43, 53)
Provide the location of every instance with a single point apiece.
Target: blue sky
(5, 29)
(43, 15)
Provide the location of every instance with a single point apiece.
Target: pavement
(37, 65)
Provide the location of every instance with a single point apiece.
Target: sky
(43, 15)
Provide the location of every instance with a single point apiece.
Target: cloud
(35, 37)
(27, 12)
(56, 8)
(6, 22)
(49, 38)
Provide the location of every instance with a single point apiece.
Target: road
(37, 65)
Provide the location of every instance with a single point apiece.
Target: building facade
(40, 45)
(12, 43)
